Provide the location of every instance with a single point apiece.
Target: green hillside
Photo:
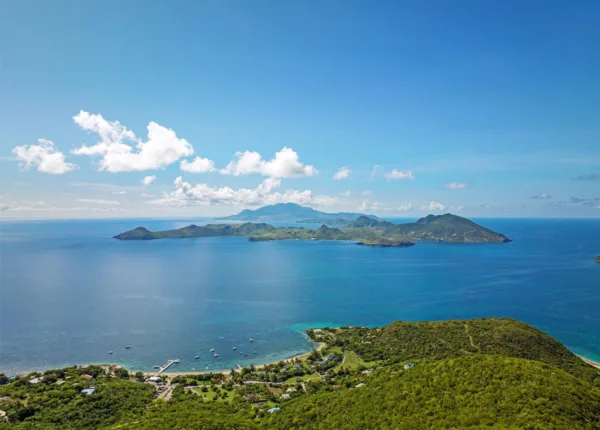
(481, 391)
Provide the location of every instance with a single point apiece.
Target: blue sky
(480, 108)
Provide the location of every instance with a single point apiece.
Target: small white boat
(197, 357)
(234, 348)
(110, 352)
(216, 355)
(127, 347)
(131, 367)
(251, 340)
(255, 352)
(157, 367)
(212, 350)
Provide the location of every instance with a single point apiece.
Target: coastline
(590, 362)
(301, 357)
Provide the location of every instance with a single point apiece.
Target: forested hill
(473, 374)
(292, 212)
(443, 228)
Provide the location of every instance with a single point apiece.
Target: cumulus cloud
(456, 186)
(198, 165)
(346, 193)
(286, 164)
(44, 157)
(405, 207)
(592, 177)
(342, 173)
(397, 174)
(99, 201)
(541, 196)
(186, 194)
(162, 148)
(148, 180)
(433, 207)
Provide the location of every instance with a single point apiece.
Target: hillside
(367, 231)
(291, 212)
(402, 341)
(468, 393)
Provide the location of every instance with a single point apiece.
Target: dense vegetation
(471, 374)
(365, 230)
(469, 392)
(291, 212)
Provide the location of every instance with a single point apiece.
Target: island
(292, 212)
(447, 228)
(597, 259)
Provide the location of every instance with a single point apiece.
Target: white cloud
(542, 196)
(147, 195)
(99, 201)
(457, 186)
(162, 148)
(120, 193)
(374, 171)
(433, 207)
(201, 194)
(346, 193)
(405, 207)
(342, 173)
(366, 193)
(148, 180)
(397, 174)
(198, 165)
(285, 165)
(45, 157)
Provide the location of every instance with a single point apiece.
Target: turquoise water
(69, 293)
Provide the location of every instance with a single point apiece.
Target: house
(86, 376)
(35, 381)
(409, 366)
(273, 410)
(290, 390)
(155, 379)
(285, 396)
(89, 391)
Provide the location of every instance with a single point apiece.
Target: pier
(166, 366)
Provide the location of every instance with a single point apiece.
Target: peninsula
(364, 230)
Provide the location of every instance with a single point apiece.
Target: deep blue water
(69, 293)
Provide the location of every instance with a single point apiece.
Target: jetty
(166, 366)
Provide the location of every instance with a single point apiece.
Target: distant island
(291, 212)
(364, 230)
(597, 259)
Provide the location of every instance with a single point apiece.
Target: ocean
(69, 293)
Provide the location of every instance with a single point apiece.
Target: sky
(203, 108)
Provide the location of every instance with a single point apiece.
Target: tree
(122, 373)
(139, 376)
(3, 379)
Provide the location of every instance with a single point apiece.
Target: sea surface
(69, 293)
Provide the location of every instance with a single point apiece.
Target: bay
(69, 293)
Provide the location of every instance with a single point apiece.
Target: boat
(156, 367)
(245, 355)
(255, 352)
(197, 357)
(241, 352)
(131, 367)
(110, 352)
(127, 347)
(251, 340)
(234, 348)
(212, 350)
(216, 355)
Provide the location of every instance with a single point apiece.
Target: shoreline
(303, 356)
